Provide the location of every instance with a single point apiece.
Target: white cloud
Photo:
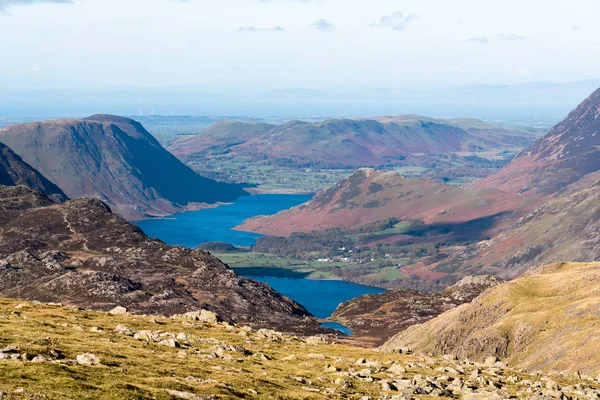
(397, 21)
(324, 26)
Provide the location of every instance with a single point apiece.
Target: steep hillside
(377, 317)
(564, 229)
(80, 253)
(371, 195)
(116, 160)
(61, 352)
(350, 142)
(14, 171)
(568, 152)
(544, 320)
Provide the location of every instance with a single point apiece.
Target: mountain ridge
(79, 252)
(116, 160)
(569, 151)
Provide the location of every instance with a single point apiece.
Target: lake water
(320, 298)
(191, 229)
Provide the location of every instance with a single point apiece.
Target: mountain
(14, 172)
(370, 195)
(75, 354)
(219, 137)
(546, 320)
(349, 142)
(566, 228)
(80, 253)
(567, 153)
(377, 317)
(116, 160)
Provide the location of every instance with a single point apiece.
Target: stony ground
(62, 352)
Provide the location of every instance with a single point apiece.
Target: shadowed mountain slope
(116, 160)
(14, 171)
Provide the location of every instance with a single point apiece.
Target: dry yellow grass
(546, 320)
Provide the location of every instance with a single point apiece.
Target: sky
(297, 43)
(247, 46)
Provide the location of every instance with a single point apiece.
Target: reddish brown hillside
(371, 195)
(350, 142)
(568, 152)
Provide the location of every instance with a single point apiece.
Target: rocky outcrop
(544, 320)
(174, 359)
(377, 317)
(79, 252)
(117, 161)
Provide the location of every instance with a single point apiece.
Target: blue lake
(191, 229)
(320, 298)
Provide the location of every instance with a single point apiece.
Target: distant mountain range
(542, 207)
(534, 99)
(350, 142)
(116, 160)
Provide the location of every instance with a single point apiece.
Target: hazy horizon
(296, 57)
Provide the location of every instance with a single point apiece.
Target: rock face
(79, 252)
(370, 195)
(116, 160)
(567, 153)
(377, 317)
(547, 319)
(14, 171)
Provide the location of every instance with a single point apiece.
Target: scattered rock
(88, 359)
(123, 330)
(170, 343)
(39, 359)
(118, 311)
(316, 340)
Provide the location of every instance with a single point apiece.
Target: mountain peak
(569, 151)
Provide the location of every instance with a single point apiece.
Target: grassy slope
(136, 369)
(545, 320)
